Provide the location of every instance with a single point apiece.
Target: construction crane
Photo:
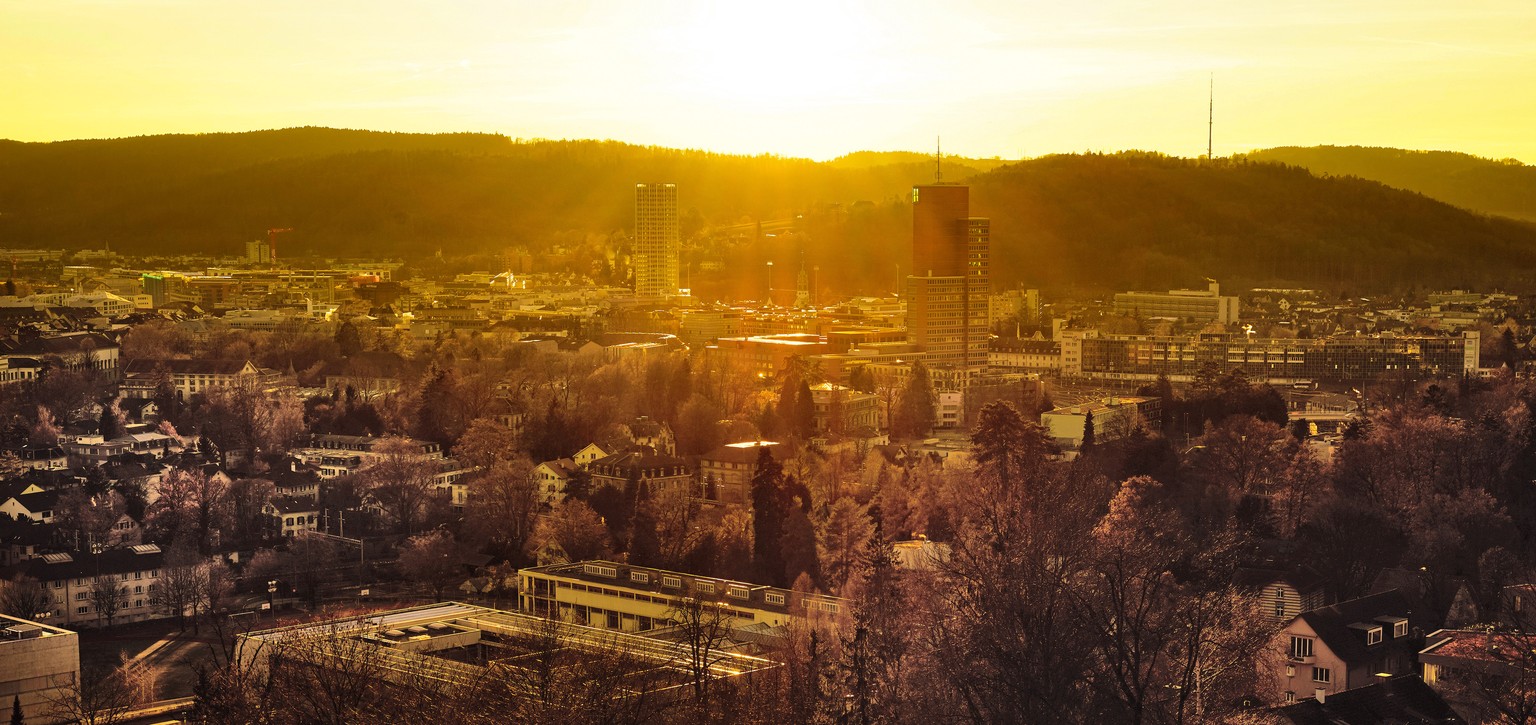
(272, 243)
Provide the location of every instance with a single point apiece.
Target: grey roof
(186, 367)
(1401, 700)
(1332, 624)
(85, 564)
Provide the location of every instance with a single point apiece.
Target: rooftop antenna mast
(1210, 122)
(938, 160)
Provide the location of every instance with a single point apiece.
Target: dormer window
(1373, 636)
(1400, 629)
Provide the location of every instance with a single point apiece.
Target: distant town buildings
(258, 251)
(1207, 305)
(1089, 353)
(657, 246)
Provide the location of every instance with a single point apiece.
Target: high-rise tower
(948, 290)
(656, 240)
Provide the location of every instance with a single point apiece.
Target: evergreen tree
(805, 411)
(680, 388)
(16, 718)
(349, 339)
(917, 409)
(109, 425)
(768, 516)
(1006, 445)
(797, 547)
(644, 545)
(1088, 437)
(1301, 429)
(873, 657)
(788, 406)
(862, 379)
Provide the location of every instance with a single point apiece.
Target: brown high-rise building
(656, 241)
(950, 285)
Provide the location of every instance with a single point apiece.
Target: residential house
(1475, 668)
(367, 375)
(551, 477)
(1397, 700)
(1348, 645)
(26, 501)
(22, 540)
(590, 453)
(73, 350)
(1285, 593)
(727, 471)
(855, 409)
(656, 435)
(291, 515)
(42, 458)
(655, 471)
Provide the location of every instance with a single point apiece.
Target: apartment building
(71, 578)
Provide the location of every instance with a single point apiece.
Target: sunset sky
(815, 78)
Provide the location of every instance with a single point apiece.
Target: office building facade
(657, 246)
(1207, 305)
(949, 290)
(1087, 353)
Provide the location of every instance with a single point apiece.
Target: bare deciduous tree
(108, 596)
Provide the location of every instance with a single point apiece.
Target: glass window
(1301, 647)
(1322, 675)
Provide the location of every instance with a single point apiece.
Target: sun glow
(776, 55)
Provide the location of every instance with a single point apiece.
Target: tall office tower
(258, 251)
(950, 285)
(656, 240)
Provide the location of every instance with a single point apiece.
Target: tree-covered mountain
(1505, 186)
(1140, 220)
(1098, 221)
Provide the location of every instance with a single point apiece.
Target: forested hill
(1138, 220)
(1506, 187)
(1103, 221)
(354, 191)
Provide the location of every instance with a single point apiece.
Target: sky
(814, 78)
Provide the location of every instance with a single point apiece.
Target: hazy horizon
(929, 152)
(801, 79)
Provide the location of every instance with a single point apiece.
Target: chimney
(1321, 695)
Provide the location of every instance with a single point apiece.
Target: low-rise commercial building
(627, 598)
(1112, 418)
(38, 665)
(1087, 353)
(1207, 305)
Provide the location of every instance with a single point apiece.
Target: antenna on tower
(1210, 123)
(938, 160)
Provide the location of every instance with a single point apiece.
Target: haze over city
(630, 363)
(802, 78)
